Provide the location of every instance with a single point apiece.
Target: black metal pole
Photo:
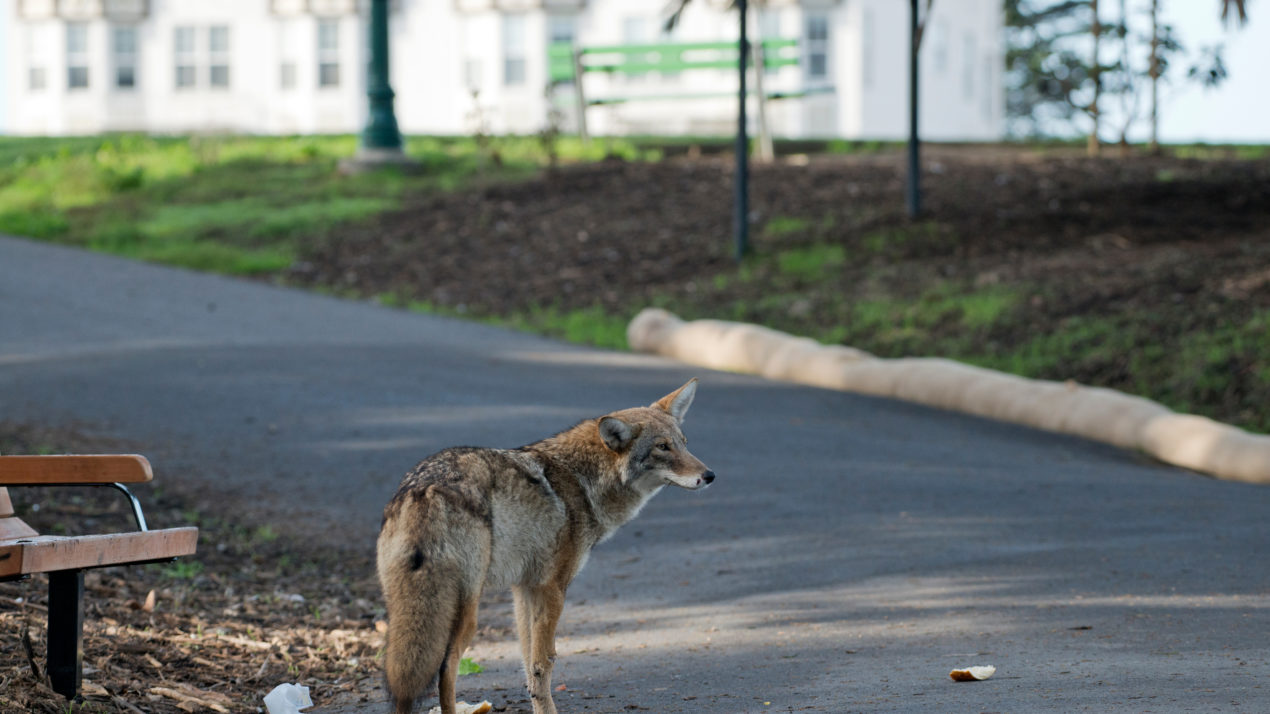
(381, 133)
(914, 146)
(741, 216)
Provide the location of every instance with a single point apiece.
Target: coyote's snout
(469, 519)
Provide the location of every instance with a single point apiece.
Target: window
(76, 55)
(472, 75)
(124, 48)
(817, 45)
(939, 47)
(968, 66)
(989, 73)
(39, 39)
(328, 40)
(560, 29)
(866, 49)
(218, 56)
(183, 53)
(286, 75)
(288, 50)
(513, 50)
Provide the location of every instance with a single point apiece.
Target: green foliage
(1049, 76)
(468, 666)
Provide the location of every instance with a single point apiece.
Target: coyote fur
(470, 519)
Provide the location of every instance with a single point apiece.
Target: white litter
(287, 699)
(972, 674)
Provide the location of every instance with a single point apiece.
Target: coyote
(470, 519)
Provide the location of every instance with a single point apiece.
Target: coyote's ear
(617, 434)
(678, 401)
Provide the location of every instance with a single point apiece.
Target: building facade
(458, 66)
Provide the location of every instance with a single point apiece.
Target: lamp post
(741, 201)
(914, 192)
(380, 140)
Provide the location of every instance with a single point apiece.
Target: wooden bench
(23, 551)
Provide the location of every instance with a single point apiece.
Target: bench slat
(78, 469)
(41, 554)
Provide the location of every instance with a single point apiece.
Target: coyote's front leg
(537, 613)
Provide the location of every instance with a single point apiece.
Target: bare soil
(1134, 264)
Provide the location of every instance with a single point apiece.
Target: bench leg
(66, 631)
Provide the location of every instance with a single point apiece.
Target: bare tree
(921, 23)
(1095, 70)
(1154, 71)
(1128, 91)
(1231, 9)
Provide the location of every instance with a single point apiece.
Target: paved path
(852, 552)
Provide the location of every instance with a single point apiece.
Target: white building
(296, 66)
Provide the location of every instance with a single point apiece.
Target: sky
(1237, 112)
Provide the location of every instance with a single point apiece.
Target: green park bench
(23, 551)
(567, 64)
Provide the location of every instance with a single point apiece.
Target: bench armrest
(98, 469)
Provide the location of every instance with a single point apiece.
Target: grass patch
(589, 326)
(811, 262)
(593, 325)
(240, 205)
(780, 226)
(897, 240)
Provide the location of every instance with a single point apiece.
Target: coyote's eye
(663, 446)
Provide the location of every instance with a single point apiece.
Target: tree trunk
(765, 151)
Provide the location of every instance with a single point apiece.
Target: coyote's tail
(422, 607)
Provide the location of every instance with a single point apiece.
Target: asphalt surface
(852, 551)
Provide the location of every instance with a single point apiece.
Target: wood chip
(189, 696)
